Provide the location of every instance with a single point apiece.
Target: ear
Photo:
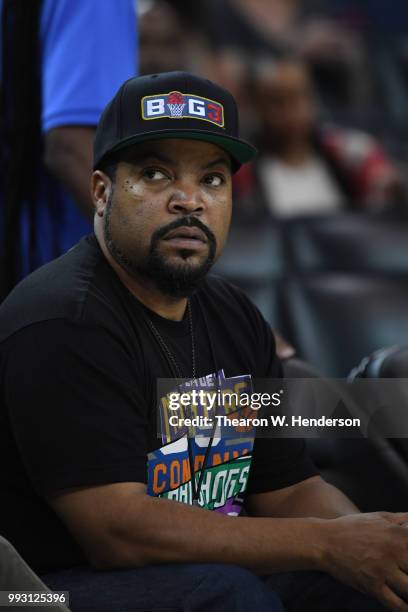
(101, 188)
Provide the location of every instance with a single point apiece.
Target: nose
(186, 199)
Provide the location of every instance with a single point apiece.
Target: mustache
(184, 222)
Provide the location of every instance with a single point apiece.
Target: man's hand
(370, 553)
(119, 526)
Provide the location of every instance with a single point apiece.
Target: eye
(214, 180)
(154, 174)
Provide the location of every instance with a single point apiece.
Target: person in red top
(306, 168)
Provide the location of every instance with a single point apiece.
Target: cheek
(131, 220)
(137, 204)
(134, 202)
(134, 189)
(224, 222)
(220, 218)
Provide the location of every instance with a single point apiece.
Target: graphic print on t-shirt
(228, 462)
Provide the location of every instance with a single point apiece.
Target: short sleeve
(88, 51)
(260, 334)
(277, 462)
(76, 407)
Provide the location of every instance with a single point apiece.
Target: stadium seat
(348, 243)
(372, 472)
(389, 362)
(334, 320)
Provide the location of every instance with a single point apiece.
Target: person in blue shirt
(62, 60)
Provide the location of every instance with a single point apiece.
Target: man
(162, 43)
(88, 484)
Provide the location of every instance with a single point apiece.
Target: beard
(173, 279)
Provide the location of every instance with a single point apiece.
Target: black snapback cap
(171, 105)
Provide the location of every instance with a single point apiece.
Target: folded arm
(119, 526)
(311, 497)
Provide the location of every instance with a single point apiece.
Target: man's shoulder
(57, 290)
(235, 321)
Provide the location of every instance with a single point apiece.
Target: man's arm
(120, 526)
(68, 156)
(111, 516)
(74, 93)
(311, 497)
(130, 528)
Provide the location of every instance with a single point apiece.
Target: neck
(291, 153)
(145, 290)
(296, 155)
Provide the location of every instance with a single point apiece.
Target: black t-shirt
(78, 370)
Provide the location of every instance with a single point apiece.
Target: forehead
(176, 151)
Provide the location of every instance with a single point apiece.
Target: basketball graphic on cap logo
(176, 103)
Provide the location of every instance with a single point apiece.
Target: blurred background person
(162, 41)
(307, 166)
(61, 62)
(333, 49)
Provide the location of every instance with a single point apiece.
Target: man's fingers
(391, 600)
(399, 584)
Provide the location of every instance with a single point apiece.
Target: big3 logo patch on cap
(177, 105)
(139, 112)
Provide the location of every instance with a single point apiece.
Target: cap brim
(240, 150)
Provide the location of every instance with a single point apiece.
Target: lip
(184, 233)
(187, 244)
